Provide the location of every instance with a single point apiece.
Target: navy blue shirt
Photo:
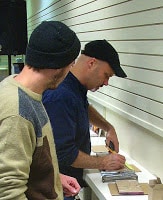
(67, 107)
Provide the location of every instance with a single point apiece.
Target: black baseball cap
(104, 51)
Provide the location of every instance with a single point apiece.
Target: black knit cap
(52, 45)
(104, 51)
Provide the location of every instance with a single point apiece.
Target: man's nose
(106, 82)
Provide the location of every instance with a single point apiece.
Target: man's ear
(91, 62)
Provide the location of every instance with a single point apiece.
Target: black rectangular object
(13, 27)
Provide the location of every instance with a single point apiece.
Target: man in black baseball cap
(70, 113)
(103, 50)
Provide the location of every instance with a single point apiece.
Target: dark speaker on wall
(13, 27)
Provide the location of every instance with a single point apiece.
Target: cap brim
(119, 72)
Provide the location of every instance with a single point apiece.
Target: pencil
(126, 164)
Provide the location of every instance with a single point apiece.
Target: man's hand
(112, 136)
(113, 161)
(98, 120)
(70, 185)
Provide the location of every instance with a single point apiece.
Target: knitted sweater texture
(28, 161)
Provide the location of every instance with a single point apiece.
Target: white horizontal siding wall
(135, 29)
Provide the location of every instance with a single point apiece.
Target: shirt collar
(75, 83)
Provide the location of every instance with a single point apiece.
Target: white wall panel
(146, 76)
(135, 29)
(147, 105)
(151, 62)
(146, 90)
(132, 113)
(128, 33)
(98, 19)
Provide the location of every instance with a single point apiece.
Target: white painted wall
(139, 143)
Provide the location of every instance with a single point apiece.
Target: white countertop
(94, 180)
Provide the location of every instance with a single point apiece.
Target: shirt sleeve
(16, 149)
(62, 112)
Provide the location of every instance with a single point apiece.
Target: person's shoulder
(61, 93)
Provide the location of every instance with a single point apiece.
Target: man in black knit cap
(28, 161)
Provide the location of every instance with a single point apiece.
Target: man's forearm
(98, 120)
(108, 162)
(86, 161)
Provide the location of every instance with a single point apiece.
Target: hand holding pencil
(110, 148)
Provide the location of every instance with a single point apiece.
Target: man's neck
(31, 79)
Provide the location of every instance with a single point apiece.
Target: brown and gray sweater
(28, 161)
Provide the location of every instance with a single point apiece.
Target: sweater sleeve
(17, 143)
